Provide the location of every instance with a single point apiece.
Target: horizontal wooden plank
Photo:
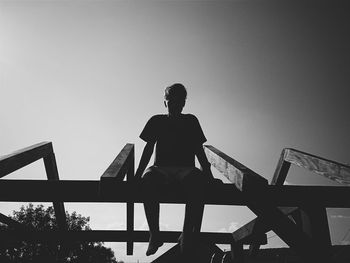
(255, 228)
(240, 175)
(330, 169)
(18, 159)
(223, 194)
(88, 191)
(118, 168)
(106, 236)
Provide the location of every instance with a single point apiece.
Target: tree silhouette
(40, 218)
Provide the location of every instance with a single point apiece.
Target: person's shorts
(171, 174)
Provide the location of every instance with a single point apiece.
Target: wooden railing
(310, 215)
(19, 159)
(295, 213)
(332, 170)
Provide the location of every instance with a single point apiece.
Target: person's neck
(172, 115)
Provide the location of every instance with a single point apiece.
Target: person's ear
(165, 104)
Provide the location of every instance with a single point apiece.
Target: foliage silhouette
(41, 218)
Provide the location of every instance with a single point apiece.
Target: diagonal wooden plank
(330, 169)
(240, 175)
(285, 228)
(18, 159)
(255, 228)
(118, 168)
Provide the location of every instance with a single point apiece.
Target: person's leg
(194, 208)
(150, 180)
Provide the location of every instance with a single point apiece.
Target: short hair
(175, 91)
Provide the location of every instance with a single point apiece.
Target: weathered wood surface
(330, 169)
(118, 168)
(18, 159)
(240, 175)
(224, 194)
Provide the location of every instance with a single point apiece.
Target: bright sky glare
(261, 76)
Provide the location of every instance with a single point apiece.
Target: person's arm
(202, 158)
(145, 157)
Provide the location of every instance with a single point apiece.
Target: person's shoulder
(191, 117)
(157, 117)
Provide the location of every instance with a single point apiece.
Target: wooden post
(123, 164)
(52, 175)
(281, 171)
(130, 205)
(313, 221)
(237, 252)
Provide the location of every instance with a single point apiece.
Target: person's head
(175, 98)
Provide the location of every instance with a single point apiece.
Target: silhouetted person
(178, 138)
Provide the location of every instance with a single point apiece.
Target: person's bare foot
(153, 245)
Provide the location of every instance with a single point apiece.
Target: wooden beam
(293, 236)
(281, 171)
(105, 235)
(255, 228)
(52, 175)
(314, 222)
(330, 169)
(130, 204)
(18, 159)
(119, 166)
(225, 194)
(240, 175)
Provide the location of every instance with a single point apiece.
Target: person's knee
(151, 178)
(195, 177)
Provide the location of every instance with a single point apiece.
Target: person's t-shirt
(176, 138)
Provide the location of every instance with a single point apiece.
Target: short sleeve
(149, 132)
(198, 132)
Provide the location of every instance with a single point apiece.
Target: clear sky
(261, 76)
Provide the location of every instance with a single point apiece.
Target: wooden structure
(295, 213)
